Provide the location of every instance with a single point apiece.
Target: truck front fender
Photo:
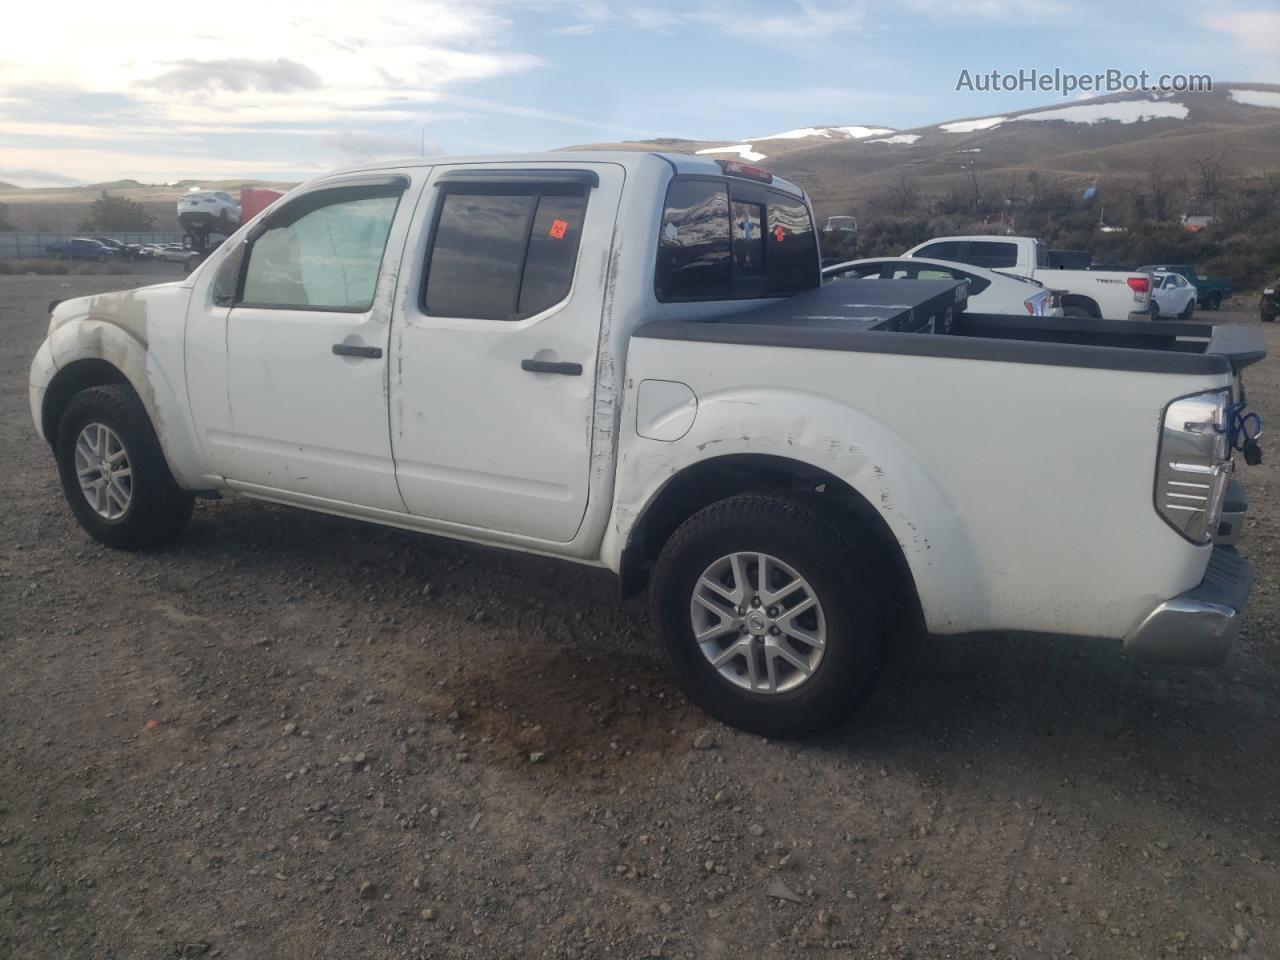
(114, 329)
(827, 436)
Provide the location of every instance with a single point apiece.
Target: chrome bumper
(1199, 627)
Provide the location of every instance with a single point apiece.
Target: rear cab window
(721, 239)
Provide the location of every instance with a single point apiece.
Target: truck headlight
(1194, 464)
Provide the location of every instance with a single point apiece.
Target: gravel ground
(297, 736)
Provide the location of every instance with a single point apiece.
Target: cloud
(57, 103)
(1257, 31)
(410, 108)
(358, 145)
(577, 30)
(239, 75)
(1024, 11)
(29, 177)
(87, 90)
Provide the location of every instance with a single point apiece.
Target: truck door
(493, 373)
(306, 346)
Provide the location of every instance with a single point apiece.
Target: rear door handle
(551, 366)
(351, 350)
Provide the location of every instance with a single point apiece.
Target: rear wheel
(1214, 300)
(113, 471)
(769, 616)
(1079, 312)
(1154, 310)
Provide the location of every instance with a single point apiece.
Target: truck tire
(786, 655)
(1214, 300)
(113, 471)
(1269, 317)
(1078, 312)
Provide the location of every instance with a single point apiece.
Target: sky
(160, 91)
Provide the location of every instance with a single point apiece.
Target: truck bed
(883, 316)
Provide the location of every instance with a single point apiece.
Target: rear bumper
(1199, 627)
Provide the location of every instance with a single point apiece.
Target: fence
(34, 244)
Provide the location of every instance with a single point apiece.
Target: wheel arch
(1084, 302)
(70, 380)
(708, 481)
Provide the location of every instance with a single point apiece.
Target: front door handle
(551, 366)
(351, 350)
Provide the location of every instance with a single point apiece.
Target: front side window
(321, 252)
(503, 254)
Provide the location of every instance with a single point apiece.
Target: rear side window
(693, 245)
(503, 253)
(553, 252)
(991, 254)
(723, 242)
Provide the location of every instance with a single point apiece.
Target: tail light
(733, 168)
(1141, 287)
(1194, 464)
(1037, 306)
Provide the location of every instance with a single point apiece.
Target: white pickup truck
(1101, 294)
(627, 360)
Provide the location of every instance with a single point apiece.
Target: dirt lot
(296, 736)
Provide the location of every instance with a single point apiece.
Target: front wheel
(769, 616)
(114, 475)
(1189, 309)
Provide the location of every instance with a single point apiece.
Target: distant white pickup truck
(1101, 294)
(627, 360)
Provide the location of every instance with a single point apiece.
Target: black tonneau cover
(882, 316)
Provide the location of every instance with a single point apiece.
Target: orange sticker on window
(777, 233)
(558, 227)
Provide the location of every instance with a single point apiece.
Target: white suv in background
(203, 211)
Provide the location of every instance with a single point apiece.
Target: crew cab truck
(1100, 294)
(627, 360)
